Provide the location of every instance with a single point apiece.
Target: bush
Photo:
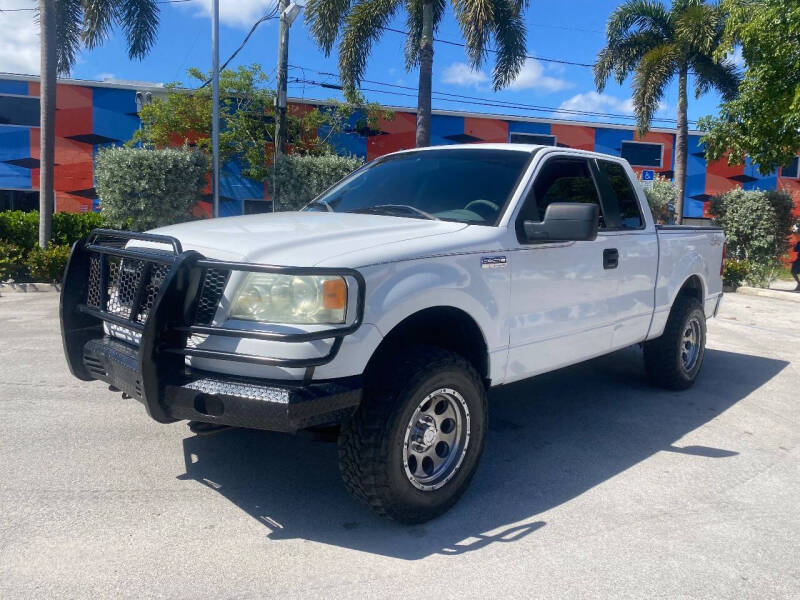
(11, 261)
(141, 189)
(302, 178)
(47, 264)
(757, 226)
(22, 228)
(735, 272)
(659, 197)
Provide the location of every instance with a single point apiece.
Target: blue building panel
(13, 87)
(14, 145)
(758, 181)
(446, 129)
(694, 205)
(114, 114)
(528, 127)
(609, 140)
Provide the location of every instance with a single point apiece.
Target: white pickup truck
(390, 305)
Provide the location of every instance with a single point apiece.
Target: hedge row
(21, 259)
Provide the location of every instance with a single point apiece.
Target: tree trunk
(425, 76)
(47, 118)
(681, 145)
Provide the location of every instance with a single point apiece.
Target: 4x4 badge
(493, 262)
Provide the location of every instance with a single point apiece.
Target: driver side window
(560, 180)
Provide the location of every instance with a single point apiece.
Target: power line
(464, 98)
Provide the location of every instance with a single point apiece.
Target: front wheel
(673, 360)
(415, 442)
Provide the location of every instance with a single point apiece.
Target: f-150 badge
(493, 262)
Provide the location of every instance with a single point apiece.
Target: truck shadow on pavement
(550, 439)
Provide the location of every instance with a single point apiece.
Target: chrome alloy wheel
(690, 344)
(436, 439)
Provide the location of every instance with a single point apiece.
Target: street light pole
(215, 107)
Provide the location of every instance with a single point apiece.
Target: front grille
(132, 285)
(214, 282)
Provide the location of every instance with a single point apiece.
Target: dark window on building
(19, 110)
(792, 170)
(560, 180)
(19, 200)
(532, 138)
(642, 154)
(624, 196)
(257, 206)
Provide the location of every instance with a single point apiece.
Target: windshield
(470, 186)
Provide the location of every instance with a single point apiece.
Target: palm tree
(656, 44)
(362, 22)
(66, 26)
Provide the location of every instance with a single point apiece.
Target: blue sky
(570, 30)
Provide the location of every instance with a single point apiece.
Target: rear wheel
(414, 444)
(673, 360)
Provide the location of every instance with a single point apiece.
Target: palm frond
(722, 76)
(414, 27)
(363, 26)
(325, 19)
(622, 54)
(69, 18)
(653, 73)
(476, 18)
(509, 35)
(699, 28)
(139, 21)
(98, 19)
(639, 15)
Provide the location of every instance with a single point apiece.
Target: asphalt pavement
(593, 485)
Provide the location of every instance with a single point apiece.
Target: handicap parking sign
(648, 175)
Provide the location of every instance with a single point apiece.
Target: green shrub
(142, 189)
(735, 272)
(659, 197)
(757, 226)
(302, 178)
(11, 261)
(47, 265)
(22, 228)
(68, 228)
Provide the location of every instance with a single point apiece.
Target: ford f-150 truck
(390, 304)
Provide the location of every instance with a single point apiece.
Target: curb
(777, 294)
(28, 288)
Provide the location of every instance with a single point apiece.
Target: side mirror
(565, 222)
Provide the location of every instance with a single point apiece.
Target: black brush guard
(160, 299)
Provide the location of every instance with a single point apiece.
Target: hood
(301, 239)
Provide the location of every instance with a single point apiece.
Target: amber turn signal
(334, 294)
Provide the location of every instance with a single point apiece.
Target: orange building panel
(486, 130)
(574, 136)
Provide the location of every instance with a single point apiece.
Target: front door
(561, 293)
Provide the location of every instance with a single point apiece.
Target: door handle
(610, 258)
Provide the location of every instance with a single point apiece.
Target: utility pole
(215, 107)
(280, 100)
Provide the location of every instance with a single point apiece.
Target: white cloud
(19, 39)
(533, 77)
(238, 13)
(461, 74)
(595, 102)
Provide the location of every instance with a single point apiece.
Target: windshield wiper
(327, 206)
(393, 209)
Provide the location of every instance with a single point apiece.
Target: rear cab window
(619, 196)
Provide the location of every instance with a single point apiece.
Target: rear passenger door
(630, 238)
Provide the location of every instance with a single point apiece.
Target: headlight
(291, 299)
